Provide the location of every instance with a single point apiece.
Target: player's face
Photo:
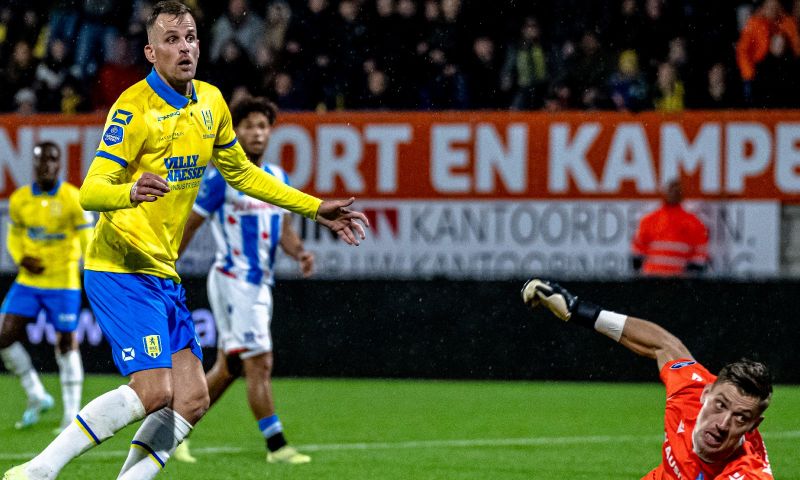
(46, 164)
(253, 133)
(725, 417)
(174, 49)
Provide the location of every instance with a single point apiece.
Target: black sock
(276, 441)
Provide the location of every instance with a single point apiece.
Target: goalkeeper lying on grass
(710, 422)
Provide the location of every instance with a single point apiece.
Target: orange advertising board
(489, 155)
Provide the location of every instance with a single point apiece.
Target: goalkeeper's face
(726, 415)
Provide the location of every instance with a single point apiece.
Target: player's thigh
(62, 308)
(133, 313)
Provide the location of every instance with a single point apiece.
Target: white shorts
(243, 312)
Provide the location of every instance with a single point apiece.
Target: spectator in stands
(445, 87)
(377, 96)
(717, 94)
(99, 29)
(653, 46)
(754, 43)
(309, 51)
(136, 35)
(20, 72)
(63, 21)
(483, 81)
(278, 20)
(411, 53)
(626, 29)
(773, 85)
(628, 88)
(350, 38)
(670, 241)
(25, 101)
(669, 91)
(232, 68)
(118, 73)
(587, 72)
(288, 96)
(240, 24)
(445, 30)
(526, 71)
(72, 98)
(51, 73)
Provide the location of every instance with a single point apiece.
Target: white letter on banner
(629, 158)
(298, 139)
(703, 155)
(16, 162)
(345, 166)
(787, 156)
(739, 165)
(569, 159)
(387, 137)
(63, 137)
(509, 163)
(445, 157)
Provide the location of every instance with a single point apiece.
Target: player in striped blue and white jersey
(247, 233)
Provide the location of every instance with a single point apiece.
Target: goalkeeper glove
(562, 303)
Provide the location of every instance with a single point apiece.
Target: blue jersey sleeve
(211, 195)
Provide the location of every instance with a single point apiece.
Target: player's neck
(183, 88)
(45, 185)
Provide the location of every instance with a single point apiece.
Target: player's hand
(556, 298)
(306, 261)
(148, 188)
(32, 264)
(335, 215)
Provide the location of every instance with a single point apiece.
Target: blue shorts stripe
(148, 450)
(87, 429)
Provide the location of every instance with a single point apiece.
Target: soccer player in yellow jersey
(47, 237)
(158, 139)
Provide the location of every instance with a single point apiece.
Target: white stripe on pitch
(483, 442)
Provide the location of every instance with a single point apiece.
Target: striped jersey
(246, 231)
(51, 226)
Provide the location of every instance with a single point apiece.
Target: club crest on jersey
(208, 119)
(114, 135)
(152, 345)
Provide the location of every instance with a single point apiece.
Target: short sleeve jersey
(48, 223)
(246, 231)
(153, 128)
(685, 380)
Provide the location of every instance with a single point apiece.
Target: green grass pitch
(406, 429)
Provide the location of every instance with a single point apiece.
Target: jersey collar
(167, 93)
(38, 191)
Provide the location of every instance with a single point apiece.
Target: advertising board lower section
(481, 330)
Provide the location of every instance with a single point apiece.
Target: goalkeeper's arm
(639, 336)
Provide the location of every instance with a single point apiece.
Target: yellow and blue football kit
(52, 227)
(153, 128)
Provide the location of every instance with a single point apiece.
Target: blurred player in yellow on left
(47, 236)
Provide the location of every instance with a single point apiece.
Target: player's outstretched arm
(642, 337)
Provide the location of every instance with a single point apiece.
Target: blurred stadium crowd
(77, 55)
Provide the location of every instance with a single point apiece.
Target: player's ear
(150, 53)
(706, 389)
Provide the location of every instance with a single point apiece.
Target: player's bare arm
(335, 215)
(149, 188)
(642, 337)
(192, 225)
(293, 246)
